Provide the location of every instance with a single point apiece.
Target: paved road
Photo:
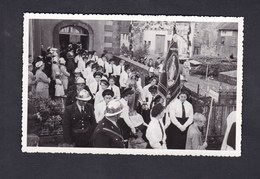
(193, 82)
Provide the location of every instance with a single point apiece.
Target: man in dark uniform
(48, 63)
(72, 78)
(75, 89)
(107, 134)
(79, 121)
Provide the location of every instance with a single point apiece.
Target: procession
(82, 97)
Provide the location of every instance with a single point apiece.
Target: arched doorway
(73, 31)
(73, 35)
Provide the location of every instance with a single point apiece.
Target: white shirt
(86, 71)
(155, 134)
(123, 80)
(93, 87)
(108, 68)
(81, 63)
(175, 110)
(98, 97)
(116, 91)
(113, 69)
(100, 62)
(146, 92)
(119, 69)
(88, 75)
(79, 107)
(55, 69)
(104, 64)
(94, 58)
(125, 113)
(100, 111)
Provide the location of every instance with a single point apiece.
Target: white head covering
(55, 59)
(62, 61)
(83, 95)
(151, 69)
(38, 64)
(230, 120)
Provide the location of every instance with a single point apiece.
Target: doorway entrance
(73, 35)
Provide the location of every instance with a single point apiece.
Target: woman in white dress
(64, 74)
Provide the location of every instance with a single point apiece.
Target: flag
(169, 80)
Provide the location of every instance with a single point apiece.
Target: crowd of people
(106, 105)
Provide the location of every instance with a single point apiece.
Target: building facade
(92, 34)
(227, 40)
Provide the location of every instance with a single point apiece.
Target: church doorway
(73, 35)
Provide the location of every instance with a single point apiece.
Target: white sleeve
(122, 81)
(98, 114)
(151, 135)
(126, 118)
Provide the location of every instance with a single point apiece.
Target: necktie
(97, 87)
(112, 70)
(161, 129)
(151, 104)
(121, 69)
(183, 111)
(104, 67)
(82, 109)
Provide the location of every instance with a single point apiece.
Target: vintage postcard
(132, 84)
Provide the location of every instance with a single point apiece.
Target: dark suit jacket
(107, 135)
(77, 124)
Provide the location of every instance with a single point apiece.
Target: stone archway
(78, 23)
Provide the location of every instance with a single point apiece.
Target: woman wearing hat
(59, 90)
(180, 117)
(64, 74)
(79, 60)
(42, 86)
(108, 134)
(100, 108)
(103, 86)
(31, 79)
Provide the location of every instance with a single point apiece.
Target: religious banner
(169, 81)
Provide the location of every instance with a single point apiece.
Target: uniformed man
(108, 134)
(73, 78)
(79, 121)
(75, 89)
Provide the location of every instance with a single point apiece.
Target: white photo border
(151, 152)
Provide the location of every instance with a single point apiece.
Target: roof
(228, 26)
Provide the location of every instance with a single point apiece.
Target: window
(145, 42)
(73, 30)
(149, 43)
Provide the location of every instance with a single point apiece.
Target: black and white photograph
(128, 84)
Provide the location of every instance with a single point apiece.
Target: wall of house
(230, 43)
(45, 32)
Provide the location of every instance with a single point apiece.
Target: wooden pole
(210, 110)
(207, 79)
